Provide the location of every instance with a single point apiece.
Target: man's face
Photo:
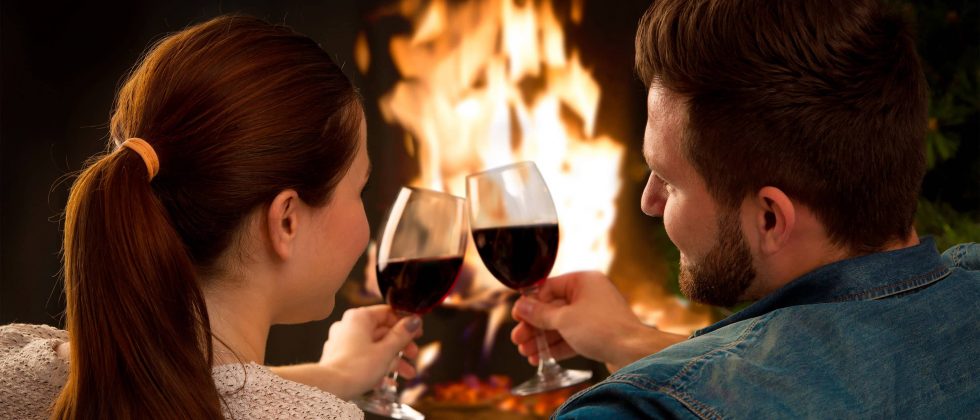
(716, 263)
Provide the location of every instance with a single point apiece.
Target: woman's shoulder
(16, 336)
(254, 391)
(32, 344)
(31, 373)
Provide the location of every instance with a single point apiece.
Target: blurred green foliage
(948, 226)
(948, 34)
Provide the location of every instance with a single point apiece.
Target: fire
(427, 356)
(471, 102)
(495, 392)
(488, 83)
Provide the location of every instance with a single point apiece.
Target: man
(785, 143)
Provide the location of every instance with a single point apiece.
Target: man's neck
(910, 241)
(803, 259)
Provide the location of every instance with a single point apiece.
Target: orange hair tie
(142, 148)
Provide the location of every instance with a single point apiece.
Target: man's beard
(723, 275)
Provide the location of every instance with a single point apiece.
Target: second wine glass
(515, 230)
(420, 253)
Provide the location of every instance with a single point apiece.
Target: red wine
(418, 285)
(518, 256)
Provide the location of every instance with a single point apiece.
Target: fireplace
(456, 87)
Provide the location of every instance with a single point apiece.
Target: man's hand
(361, 348)
(584, 314)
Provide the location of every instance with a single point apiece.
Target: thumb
(402, 333)
(537, 313)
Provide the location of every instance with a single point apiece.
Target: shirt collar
(873, 276)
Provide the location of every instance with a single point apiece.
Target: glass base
(543, 383)
(394, 410)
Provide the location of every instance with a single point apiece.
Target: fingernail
(413, 324)
(524, 307)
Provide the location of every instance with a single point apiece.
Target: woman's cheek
(365, 230)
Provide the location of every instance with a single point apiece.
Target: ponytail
(237, 110)
(136, 316)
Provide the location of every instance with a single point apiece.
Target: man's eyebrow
(651, 163)
(654, 167)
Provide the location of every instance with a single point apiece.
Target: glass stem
(547, 365)
(388, 390)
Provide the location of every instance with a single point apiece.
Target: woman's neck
(240, 322)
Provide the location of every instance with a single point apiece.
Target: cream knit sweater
(32, 374)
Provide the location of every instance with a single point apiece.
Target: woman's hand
(365, 343)
(361, 348)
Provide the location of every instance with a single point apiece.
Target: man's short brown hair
(824, 99)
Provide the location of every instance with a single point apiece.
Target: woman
(230, 201)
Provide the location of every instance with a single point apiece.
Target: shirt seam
(671, 388)
(684, 398)
(884, 291)
(673, 383)
(957, 254)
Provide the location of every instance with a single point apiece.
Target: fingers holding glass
(419, 256)
(515, 229)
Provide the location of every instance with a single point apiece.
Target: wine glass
(515, 229)
(420, 253)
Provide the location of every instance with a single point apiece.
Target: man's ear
(282, 220)
(774, 220)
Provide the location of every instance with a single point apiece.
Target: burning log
(473, 398)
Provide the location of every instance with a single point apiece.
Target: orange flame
(488, 83)
(470, 103)
(495, 392)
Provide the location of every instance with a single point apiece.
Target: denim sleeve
(618, 400)
(965, 256)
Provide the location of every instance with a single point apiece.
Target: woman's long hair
(237, 111)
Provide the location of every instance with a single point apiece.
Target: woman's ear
(775, 218)
(282, 219)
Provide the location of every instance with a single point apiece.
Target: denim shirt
(891, 334)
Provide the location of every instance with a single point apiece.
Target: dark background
(63, 62)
